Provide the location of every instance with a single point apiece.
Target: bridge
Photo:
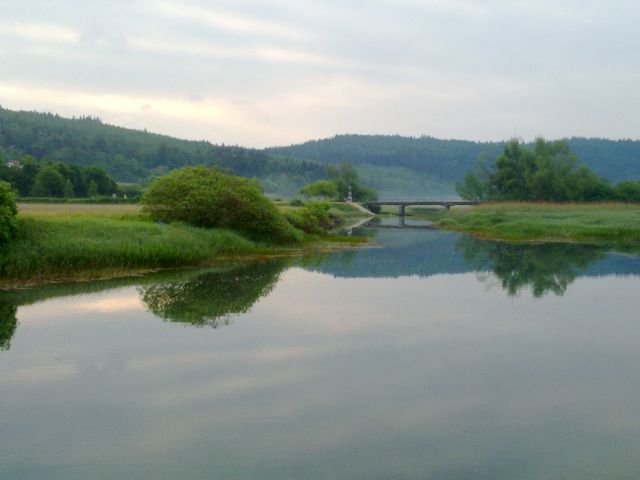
(402, 204)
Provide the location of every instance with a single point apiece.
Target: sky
(275, 72)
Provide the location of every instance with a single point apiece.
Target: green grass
(75, 241)
(55, 241)
(342, 208)
(610, 223)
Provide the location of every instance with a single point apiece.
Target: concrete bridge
(402, 204)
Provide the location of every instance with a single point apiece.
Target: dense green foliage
(547, 171)
(321, 188)
(132, 155)
(8, 212)
(314, 218)
(31, 178)
(206, 197)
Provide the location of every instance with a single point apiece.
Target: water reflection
(211, 298)
(8, 323)
(541, 268)
(413, 248)
(198, 297)
(426, 375)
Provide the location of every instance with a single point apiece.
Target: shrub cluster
(206, 197)
(314, 218)
(8, 212)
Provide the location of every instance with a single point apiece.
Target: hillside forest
(393, 165)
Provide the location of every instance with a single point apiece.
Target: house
(14, 164)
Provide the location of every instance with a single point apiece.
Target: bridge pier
(401, 208)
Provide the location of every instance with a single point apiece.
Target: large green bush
(8, 212)
(206, 197)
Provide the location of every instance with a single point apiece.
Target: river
(427, 355)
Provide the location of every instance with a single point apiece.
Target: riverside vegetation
(190, 217)
(615, 224)
(533, 194)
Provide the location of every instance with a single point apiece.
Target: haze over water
(431, 355)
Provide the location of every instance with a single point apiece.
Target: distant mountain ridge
(448, 160)
(396, 166)
(133, 155)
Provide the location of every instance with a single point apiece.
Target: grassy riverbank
(611, 223)
(63, 241)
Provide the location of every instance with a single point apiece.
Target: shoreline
(58, 244)
(609, 224)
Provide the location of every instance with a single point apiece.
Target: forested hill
(132, 155)
(448, 160)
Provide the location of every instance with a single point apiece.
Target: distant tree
(477, 182)
(92, 191)
(321, 188)
(48, 183)
(511, 172)
(68, 189)
(105, 185)
(628, 191)
(345, 176)
(8, 212)
(26, 176)
(548, 171)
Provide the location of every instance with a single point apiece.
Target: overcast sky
(273, 72)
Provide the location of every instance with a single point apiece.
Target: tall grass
(57, 245)
(601, 222)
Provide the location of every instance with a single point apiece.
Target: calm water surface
(431, 355)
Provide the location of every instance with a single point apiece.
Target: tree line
(29, 177)
(129, 155)
(448, 160)
(547, 170)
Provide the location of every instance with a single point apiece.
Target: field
(611, 223)
(62, 210)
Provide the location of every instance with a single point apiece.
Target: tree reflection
(211, 298)
(542, 268)
(8, 323)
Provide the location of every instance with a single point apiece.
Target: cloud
(229, 21)
(39, 32)
(269, 72)
(263, 53)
